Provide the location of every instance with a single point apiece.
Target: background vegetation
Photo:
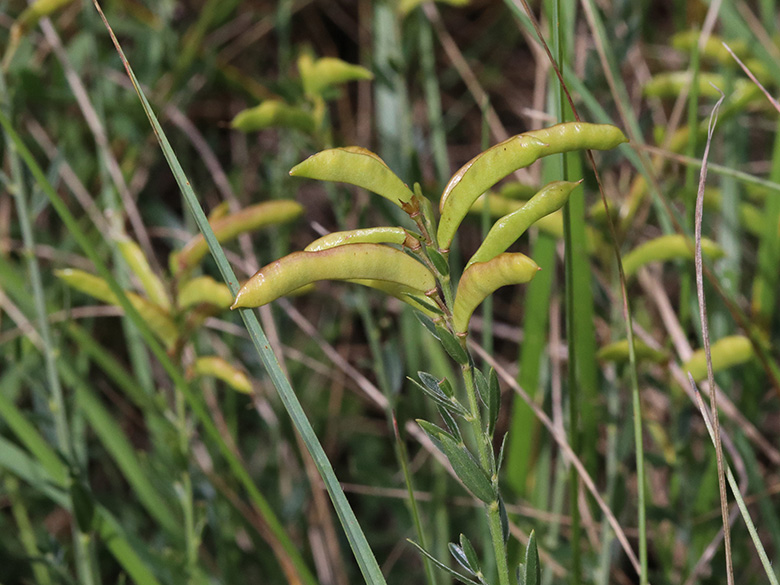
(126, 458)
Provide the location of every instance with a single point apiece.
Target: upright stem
(491, 509)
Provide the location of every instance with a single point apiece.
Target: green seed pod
(498, 206)
(356, 166)
(571, 136)
(672, 84)
(217, 367)
(327, 72)
(356, 261)
(480, 174)
(158, 319)
(483, 278)
(618, 352)
(274, 114)
(510, 227)
(489, 167)
(204, 289)
(726, 353)
(229, 227)
(666, 248)
(375, 235)
(136, 260)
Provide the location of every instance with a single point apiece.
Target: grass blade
(357, 540)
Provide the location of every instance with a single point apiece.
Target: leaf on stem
(463, 463)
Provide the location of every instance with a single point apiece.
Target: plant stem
(491, 509)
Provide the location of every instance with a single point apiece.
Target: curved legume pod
(231, 226)
(271, 114)
(483, 278)
(204, 289)
(498, 207)
(157, 318)
(489, 167)
(726, 353)
(510, 227)
(477, 176)
(666, 248)
(139, 264)
(357, 166)
(217, 367)
(374, 235)
(571, 136)
(356, 261)
(618, 352)
(318, 75)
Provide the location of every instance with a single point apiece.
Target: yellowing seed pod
(229, 227)
(480, 174)
(356, 166)
(664, 248)
(274, 114)
(726, 352)
(489, 167)
(510, 227)
(483, 278)
(375, 235)
(356, 261)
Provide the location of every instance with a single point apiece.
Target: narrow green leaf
(481, 384)
(428, 323)
(439, 261)
(457, 553)
(451, 424)
(532, 574)
(471, 554)
(440, 398)
(446, 387)
(442, 566)
(494, 402)
(451, 345)
(463, 463)
(504, 519)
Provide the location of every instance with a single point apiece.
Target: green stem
(491, 509)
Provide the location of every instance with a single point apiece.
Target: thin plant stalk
(86, 561)
(365, 557)
(706, 340)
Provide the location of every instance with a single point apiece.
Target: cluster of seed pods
(378, 256)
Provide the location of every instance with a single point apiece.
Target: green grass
(119, 464)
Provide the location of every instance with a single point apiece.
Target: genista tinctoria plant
(413, 265)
